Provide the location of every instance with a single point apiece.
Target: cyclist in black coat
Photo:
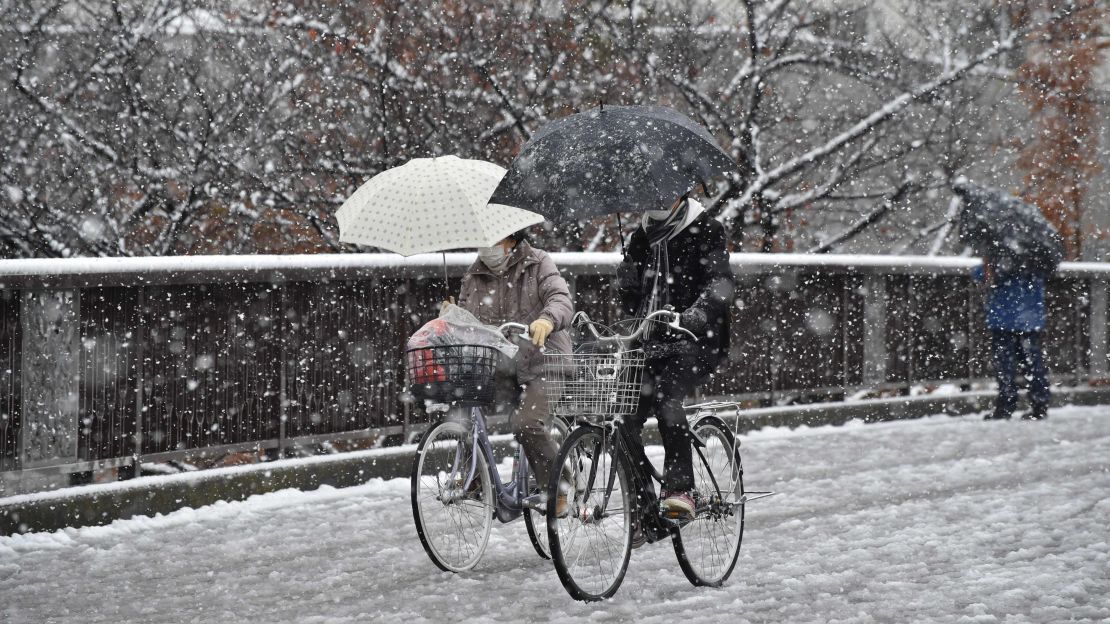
(678, 259)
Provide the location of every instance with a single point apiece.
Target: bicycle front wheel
(591, 542)
(452, 499)
(709, 545)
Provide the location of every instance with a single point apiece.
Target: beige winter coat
(530, 288)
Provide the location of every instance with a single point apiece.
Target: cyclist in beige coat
(513, 281)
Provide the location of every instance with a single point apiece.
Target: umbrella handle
(446, 287)
(620, 232)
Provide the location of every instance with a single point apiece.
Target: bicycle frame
(617, 437)
(643, 475)
(642, 470)
(508, 499)
(614, 439)
(508, 502)
(706, 542)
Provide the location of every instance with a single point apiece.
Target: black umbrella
(1013, 234)
(611, 159)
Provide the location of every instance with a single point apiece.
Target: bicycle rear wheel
(534, 520)
(452, 499)
(591, 543)
(709, 545)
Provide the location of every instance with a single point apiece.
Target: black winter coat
(700, 278)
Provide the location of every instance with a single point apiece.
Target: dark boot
(998, 414)
(1038, 412)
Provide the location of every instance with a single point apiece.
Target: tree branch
(862, 224)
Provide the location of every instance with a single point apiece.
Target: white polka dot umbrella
(430, 204)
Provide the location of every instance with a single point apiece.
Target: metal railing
(112, 362)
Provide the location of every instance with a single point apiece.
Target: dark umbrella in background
(1013, 233)
(609, 160)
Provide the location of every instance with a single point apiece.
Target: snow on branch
(834, 178)
(945, 226)
(867, 124)
(878, 56)
(84, 138)
(862, 224)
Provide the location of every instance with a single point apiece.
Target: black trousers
(666, 383)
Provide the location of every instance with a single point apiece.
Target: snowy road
(942, 519)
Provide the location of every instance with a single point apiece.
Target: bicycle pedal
(675, 519)
(675, 523)
(535, 502)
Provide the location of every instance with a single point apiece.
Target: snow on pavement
(941, 519)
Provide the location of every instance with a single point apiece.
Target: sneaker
(561, 506)
(677, 505)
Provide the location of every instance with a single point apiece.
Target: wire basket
(452, 373)
(594, 385)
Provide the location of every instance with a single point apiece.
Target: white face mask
(493, 257)
(658, 215)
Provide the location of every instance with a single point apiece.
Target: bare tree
(817, 114)
(187, 126)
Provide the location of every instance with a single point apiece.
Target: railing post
(140, 353)
(406, 406)
(849, 282)
(874, 329)
(283, 393)
(910, 335)
(969, 326)
(11, 340)
(1097, 344)
(774, 347)
(50, 377)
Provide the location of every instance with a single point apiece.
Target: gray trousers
(530, 422)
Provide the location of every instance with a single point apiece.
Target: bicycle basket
(594, 385)
(452, 373)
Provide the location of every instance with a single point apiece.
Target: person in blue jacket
(1015, 318)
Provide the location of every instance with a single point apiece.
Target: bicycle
(610, 494)
(456, 490)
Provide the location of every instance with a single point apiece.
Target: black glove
(694, 319)
(669, 350)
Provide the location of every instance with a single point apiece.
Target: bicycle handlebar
(521, 326)
(676, 318)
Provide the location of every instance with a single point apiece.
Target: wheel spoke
(590, 549)
(709, 545)
(453, 533)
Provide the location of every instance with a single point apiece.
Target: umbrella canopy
(611, 159)
(1012, 233)
(430, 204)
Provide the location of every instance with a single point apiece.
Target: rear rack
(713, 407)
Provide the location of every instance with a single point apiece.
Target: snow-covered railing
(186, 269)
(115, 361)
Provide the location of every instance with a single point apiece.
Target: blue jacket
(1016, 301)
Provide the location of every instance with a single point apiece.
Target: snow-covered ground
(940, 520)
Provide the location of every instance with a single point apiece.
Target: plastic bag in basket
(456, 326)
